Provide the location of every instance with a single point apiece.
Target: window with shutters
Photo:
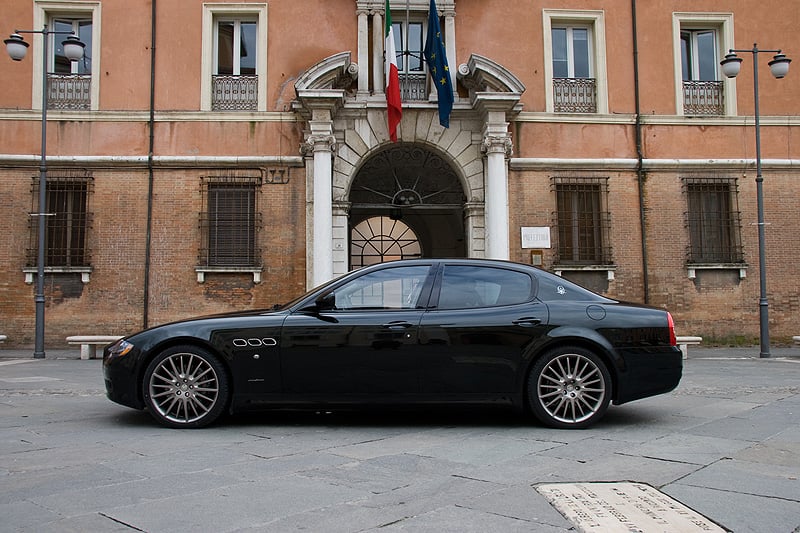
(582, 220)
(230, 222)
(713, 221)
(66, 219)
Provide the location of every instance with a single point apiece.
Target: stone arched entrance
(416, 188)
(346, 129)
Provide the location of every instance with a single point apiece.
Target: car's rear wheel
(569, 387)
(185, 387)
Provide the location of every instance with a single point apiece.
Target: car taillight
(673, 340)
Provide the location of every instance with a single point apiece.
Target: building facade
(212, 156)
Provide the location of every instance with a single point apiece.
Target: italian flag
(394, 109)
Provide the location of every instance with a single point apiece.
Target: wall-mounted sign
(536, 237)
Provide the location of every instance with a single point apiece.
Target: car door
(480, 322)
(361, 338)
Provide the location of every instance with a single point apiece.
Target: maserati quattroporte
(414, 332)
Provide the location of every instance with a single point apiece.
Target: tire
(185, 387)
(569, 388)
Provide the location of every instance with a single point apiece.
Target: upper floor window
(70, 85)
(575, 61)
(713, 220)
(699, 41)
(234, 57)
(408, 44)
(235, 81)
(702, 92)
(230, 221)
(582, 221)
(573, 84)
(67, 220)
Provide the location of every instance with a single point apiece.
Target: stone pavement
(726, 444)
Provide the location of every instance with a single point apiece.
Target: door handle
(527, 322)
(397, 326)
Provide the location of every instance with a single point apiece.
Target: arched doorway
(412, 192)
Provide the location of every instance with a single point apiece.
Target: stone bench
(89, 343)
(684, 342)
(3, 338)
(796, 339)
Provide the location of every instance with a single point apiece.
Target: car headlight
(122, 347)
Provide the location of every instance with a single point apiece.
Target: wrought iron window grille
(713, 221)
(575, 95)
(703, 98)
(583, 222)
(230, 219)
(234, 92)
(69, 91)
(68, 219)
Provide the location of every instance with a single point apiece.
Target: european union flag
(436, 56)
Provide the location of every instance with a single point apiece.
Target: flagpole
(407, 45)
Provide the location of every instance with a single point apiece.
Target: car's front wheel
(569, 387)
(185, 387)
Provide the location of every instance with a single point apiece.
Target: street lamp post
(779, 66)
(73, 50)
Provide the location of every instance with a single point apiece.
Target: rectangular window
(233, 73)
(714, 221)
(235, 78)
(583, 221)
(702, 91)
(230, 221)
(408, 44)
(575, 61)
(69, 83)
(67, 220)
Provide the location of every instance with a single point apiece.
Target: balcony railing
(69, 91)
(234, 93)
(574, 95)
(703, 98)
(413, 87)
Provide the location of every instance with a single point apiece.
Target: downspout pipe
(641, 175)
(150, 177)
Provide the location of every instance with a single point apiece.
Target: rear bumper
(649, 373)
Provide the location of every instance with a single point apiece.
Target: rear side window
(469, 287)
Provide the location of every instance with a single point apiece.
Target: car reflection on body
(416, 332)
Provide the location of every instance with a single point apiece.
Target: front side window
(67, 220)
(393, 288)
(583, 221)
(230, 222)
(699, 67)
(713, 221)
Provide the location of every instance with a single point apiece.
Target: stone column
(363, 51)
(377, 52)
(319, 147)
(450, 42)
(496, 147)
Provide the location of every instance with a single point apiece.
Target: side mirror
(326, 302)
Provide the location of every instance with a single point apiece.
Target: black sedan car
(418, 332)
